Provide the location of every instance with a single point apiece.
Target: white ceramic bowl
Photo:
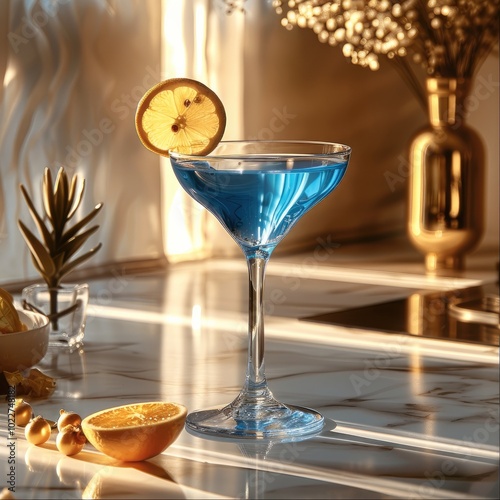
(22, 350)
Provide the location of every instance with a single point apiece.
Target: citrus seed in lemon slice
(135, 432)
(181, 115)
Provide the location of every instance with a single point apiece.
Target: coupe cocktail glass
(258, 190)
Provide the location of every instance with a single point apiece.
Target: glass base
(283, 422)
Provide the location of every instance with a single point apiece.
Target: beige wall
(72, 74)
(93, 60)
(319, 94)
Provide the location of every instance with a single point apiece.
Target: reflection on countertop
(465, 315)
(408, 416)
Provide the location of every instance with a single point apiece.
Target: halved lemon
(136, 431)
(181, 115)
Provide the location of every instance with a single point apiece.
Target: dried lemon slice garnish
(181, 115)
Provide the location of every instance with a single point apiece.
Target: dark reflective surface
(467, 315)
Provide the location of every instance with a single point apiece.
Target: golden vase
(446, 180)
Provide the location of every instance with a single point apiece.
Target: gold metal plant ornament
(54, 253)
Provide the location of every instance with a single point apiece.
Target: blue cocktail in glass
(258, 190)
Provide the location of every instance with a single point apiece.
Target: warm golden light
(449, 38)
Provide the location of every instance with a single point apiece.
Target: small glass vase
(66, 307)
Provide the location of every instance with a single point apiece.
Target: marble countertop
(407, 416)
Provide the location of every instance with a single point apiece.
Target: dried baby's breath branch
(447, 38)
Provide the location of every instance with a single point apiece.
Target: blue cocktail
(258, 190)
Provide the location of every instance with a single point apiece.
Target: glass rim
(341, 152)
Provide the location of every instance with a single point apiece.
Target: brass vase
(446, 180)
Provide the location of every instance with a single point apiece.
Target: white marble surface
(414, 417)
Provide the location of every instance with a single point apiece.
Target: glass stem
(256, 378)
(255, 401)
